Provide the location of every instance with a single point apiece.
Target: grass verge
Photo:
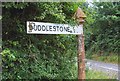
(90, 74)
(104, 57)
(108, 59)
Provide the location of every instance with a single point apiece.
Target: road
(112, 70)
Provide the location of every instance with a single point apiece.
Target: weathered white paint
(51, 28)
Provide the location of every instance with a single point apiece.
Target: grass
(108, 59)
(90, 74)
(105, 57)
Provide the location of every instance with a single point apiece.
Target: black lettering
(66, 29)
(35, 27)
(43, 27)
(61, 28)
(74, 29)
(54, 28)
(39, 28)
(47, 29)
(57, 28)
(50, 28)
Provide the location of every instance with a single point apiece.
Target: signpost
(51, 28)
(79, 15)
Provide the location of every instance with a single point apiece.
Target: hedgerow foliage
(27, 56)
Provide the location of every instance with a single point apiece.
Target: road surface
(112, 70)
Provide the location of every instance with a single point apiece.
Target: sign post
(51, 28)
(79, 15)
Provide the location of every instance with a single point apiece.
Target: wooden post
(79, 15)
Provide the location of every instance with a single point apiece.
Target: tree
(105, 29)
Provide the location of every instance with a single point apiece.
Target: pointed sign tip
(79, 13)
